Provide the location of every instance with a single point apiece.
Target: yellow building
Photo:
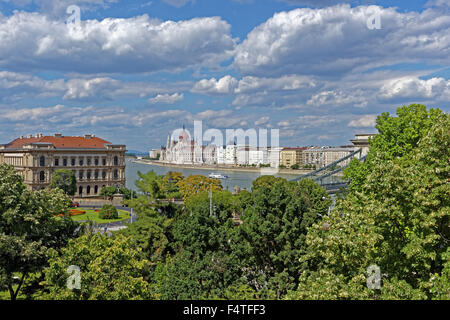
(291, 156)
(96, 162)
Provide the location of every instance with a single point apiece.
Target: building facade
(291, 156)
(95, 162)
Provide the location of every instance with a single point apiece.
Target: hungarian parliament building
(187, 151)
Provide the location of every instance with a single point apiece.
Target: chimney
(58, 135)
(30, 136)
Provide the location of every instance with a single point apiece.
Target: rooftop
(60, 142)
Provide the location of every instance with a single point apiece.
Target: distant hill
(137, 153)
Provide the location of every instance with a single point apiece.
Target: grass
(93, 216)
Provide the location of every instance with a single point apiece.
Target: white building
(220, 155)
(231, 154)
(255, 156)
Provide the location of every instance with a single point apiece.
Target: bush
(108, 211)
(295, 166)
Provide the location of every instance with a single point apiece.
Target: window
(88, 161)
(42, 176)
(56, 162)
(88, 175)
(65, 162)
(72, 162)
(104, 161)
(116, 161)
(95, 189)
(96, 161)
(80, 190)
(81, 162)
(80, 175)
(96, 174)
(88, 190)
(104, 174)
(42, 161)
(116, 174)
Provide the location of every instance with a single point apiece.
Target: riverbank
(221, 168)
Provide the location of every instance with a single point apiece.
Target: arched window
(89, 175)
(88, 190)
(104, 174)
(42, 161)
(116, 161)
(96, 174)
(116, 174)
(42, 176)
(95, 189)
(80, 190)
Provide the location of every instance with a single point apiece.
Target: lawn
(93, 216)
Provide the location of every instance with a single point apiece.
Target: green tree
(195, 184)
(111, 268)
(398, 137)
(204, 265)
(108, 192)
(65, 180)
(29, 227)
(274, 230)
(399, 221)
(108, 211)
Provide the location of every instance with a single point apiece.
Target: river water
(235, 178)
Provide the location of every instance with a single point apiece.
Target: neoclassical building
(96, 162)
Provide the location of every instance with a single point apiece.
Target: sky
(133, 71)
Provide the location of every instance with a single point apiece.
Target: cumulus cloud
(337, 98)
(133, 45)
(335, 40)
(409, 88)
(167, 98)
(225, 85)
(365, 121)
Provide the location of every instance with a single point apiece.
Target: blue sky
(133, 71)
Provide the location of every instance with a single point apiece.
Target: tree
(29, 227)
(108, 211)
(111, 268)
(274, 230)
(397, 137)
(399, 221)
(150, 184)
(108, 192)
(195, 184)
(204, 264)
(170, 184)
(65, 180)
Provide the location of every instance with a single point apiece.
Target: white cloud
(133, 45)
(225, 85)
(409, 88)
(335, 40)
(365, 121)
(338, 98)
(167, 98)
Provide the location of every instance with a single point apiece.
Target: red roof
(62, 142)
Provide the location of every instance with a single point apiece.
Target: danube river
(235, 178)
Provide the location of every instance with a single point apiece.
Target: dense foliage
(108, 211)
